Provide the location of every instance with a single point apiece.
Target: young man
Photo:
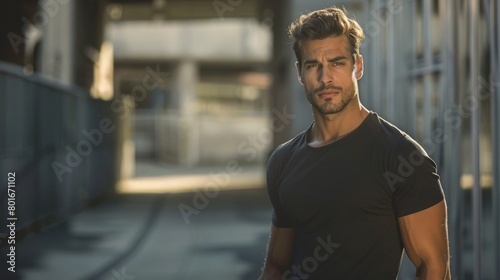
(352, 191)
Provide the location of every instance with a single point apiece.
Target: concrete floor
(145, 236)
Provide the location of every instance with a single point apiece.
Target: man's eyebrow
(334, 59)
(310, 60)
(338, 58)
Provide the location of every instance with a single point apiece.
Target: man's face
(329, 73)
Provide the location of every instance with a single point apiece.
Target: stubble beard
(328, 106)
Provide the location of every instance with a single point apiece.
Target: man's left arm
(425, 238)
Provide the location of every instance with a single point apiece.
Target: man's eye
(311, 65)
(338, 64)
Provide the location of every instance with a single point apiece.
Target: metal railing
(62, 146)
(458, 119)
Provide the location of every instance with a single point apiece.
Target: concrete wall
(202, 40)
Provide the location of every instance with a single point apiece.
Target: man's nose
(325, 76)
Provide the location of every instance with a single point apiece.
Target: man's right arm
(279, 253)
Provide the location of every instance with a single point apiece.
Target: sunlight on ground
(188, 183)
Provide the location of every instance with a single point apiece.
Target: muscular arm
(425, 237)
(279, 253)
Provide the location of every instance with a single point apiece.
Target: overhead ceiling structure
(129, 10)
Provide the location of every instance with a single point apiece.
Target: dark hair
(321, 24)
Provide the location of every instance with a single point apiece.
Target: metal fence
(434, 71)
(62, 146)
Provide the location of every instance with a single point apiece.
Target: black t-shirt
(343, 200)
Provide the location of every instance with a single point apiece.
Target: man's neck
(332, 127)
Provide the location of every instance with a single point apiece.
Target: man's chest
(334, 187)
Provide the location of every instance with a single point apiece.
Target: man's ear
(299, 77)
(358, 66)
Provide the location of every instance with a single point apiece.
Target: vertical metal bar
(391, 55)
(365, 83)
(490, 8)
(475, 130)
(427, 104)
(442, 94)
(413, 50)
(402, 82)
(376, 65)
(452, 148)
(489, 11)
(495, 123)
(497, 37)
(495, 103)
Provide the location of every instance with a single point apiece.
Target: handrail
(47, 118)
(18, 71)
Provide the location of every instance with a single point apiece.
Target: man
(352, 191)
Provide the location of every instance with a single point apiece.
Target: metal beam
(375, 65)
(452, 147)
(427, 102)
(391, 56)
(412, 105)
(492, 11)
(475, 131)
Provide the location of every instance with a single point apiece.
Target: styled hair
(321, 24)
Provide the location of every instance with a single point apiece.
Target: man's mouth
(328, 93)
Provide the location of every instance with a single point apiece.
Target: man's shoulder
(386, 128)
(285, 150)
(282, 155)
(386, 132)
(393, 138)
(291, 145)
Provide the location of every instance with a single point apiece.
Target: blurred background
(135, 133)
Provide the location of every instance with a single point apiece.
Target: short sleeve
(274, 168)
(414, 178)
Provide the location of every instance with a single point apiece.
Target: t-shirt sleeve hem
(281, 225)
(419, 208)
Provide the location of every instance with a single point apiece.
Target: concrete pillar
(91, 53)
(57, 57)
(186, 82)
(72, 39)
